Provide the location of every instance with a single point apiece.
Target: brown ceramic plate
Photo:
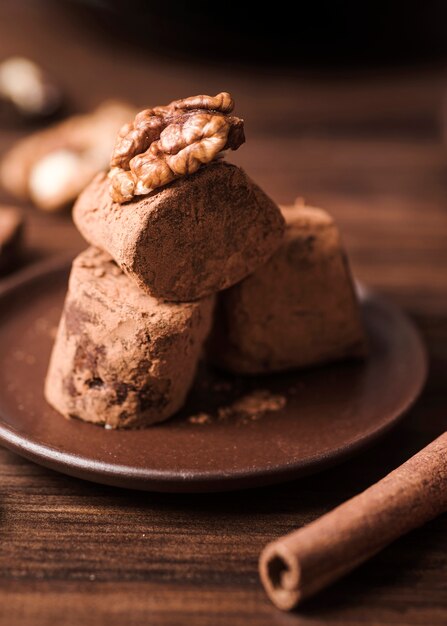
(330, 412)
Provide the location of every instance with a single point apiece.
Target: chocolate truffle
(11, 230)
(198, 235)
(121, 357)
(299, 309)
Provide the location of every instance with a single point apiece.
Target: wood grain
(366, 148)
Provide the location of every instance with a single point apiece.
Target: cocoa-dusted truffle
(11, 231)
(121, 357)
(198, 235)
(299, 309)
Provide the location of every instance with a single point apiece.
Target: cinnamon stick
(301, 563)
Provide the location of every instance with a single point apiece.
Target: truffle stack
(169, 227)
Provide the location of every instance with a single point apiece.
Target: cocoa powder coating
(298, 310)
(122, 358)
(194, 237)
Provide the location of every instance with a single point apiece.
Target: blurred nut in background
(51, 167)
(11, 234)
(27, 93)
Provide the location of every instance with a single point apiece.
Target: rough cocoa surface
(196, 236)
(298, 310)
(121, 357)
(11, 231)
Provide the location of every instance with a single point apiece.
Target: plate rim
(72, 464)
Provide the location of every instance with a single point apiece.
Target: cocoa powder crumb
(250, 407)
(24, 357)
(253, 405)
(200, 418)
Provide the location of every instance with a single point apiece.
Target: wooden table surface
(367, 147)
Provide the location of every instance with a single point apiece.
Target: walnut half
(166, 142)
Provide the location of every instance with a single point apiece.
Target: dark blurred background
(306, 34)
